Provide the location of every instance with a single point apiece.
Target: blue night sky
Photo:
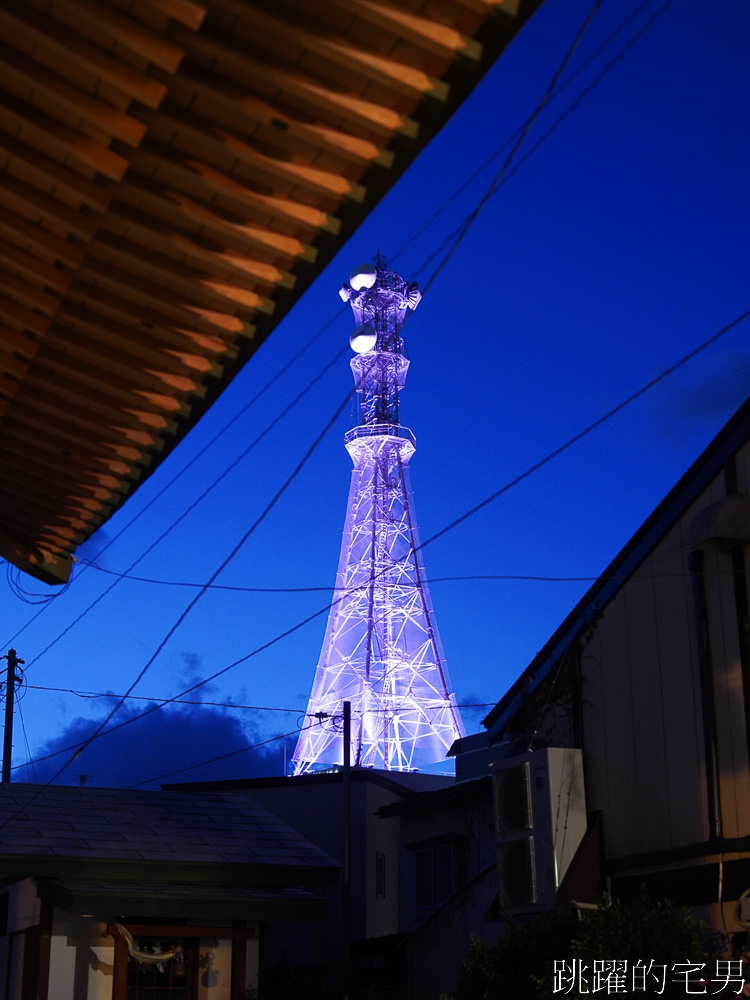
(620, 245)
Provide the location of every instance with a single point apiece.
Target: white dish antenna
(363, 276)
(363, 339)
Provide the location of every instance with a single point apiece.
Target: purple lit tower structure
(381, 651)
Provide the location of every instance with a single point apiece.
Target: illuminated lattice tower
(381, 651)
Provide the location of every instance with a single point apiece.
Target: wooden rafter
(172, 174)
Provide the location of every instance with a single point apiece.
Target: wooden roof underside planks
(173, 174)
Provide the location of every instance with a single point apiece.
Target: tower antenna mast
(381, 652)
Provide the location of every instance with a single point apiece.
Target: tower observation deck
(381, 651)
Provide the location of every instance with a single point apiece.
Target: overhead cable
(450, 527)
(431, 257)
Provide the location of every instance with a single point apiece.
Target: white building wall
(23, 906)
(82, 957)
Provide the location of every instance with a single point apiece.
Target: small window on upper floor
(380, 875)
(434, 870)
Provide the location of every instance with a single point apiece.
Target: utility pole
(346, 908)
(10, 689)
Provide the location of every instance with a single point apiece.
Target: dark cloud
(474, 708)
(164, 741)
(701, 395)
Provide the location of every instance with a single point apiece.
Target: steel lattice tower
(381, 651)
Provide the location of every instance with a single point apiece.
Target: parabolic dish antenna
(363, 276)
(363, 339)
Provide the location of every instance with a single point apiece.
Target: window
(205, 967)
(173, 979)
(434, 874)
(380, 876)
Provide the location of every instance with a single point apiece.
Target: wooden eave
(173, 175)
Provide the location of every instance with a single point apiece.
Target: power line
(471, 219)
(499, 181)
(91, 695)
(327, 589)
(29, 762)
(224, 756)
(81, 744)
(474, 510)
(502, 178)
(322, 329)
(458, 578)
(268, 428)
(298, 468)
(193, 460)
(459, 190)
(591, 427)
(450, 527)
(176, 701)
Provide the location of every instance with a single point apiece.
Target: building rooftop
(63, 831)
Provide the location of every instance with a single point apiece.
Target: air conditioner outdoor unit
(540, 818)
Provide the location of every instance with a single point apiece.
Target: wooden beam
(227, 94)
(46, 532)
(135, 394)
(229, 228)
(144, 424)
(15, 228)
(64, 448)
(333, 103)
(66, 438)
(46, 449)
(62, 177)
(182, 172)
(101, 325)
(428, 34)
(41, 26)
(50, 396)
(107, 424)
(29, 295)
(305, 175)
(23, 199)
(10, 364)
(18, 455)
(187, 12)
(22, 318)
(125, 30)
(14, 342)
(104, 283)
(48, 133)
(110, 120)
(45, 565)
(184, 245)
(26, 508)
(124, 390)
(40, 494)
(38, 272)
(192, 285)
(372, 66)
(86, 330)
